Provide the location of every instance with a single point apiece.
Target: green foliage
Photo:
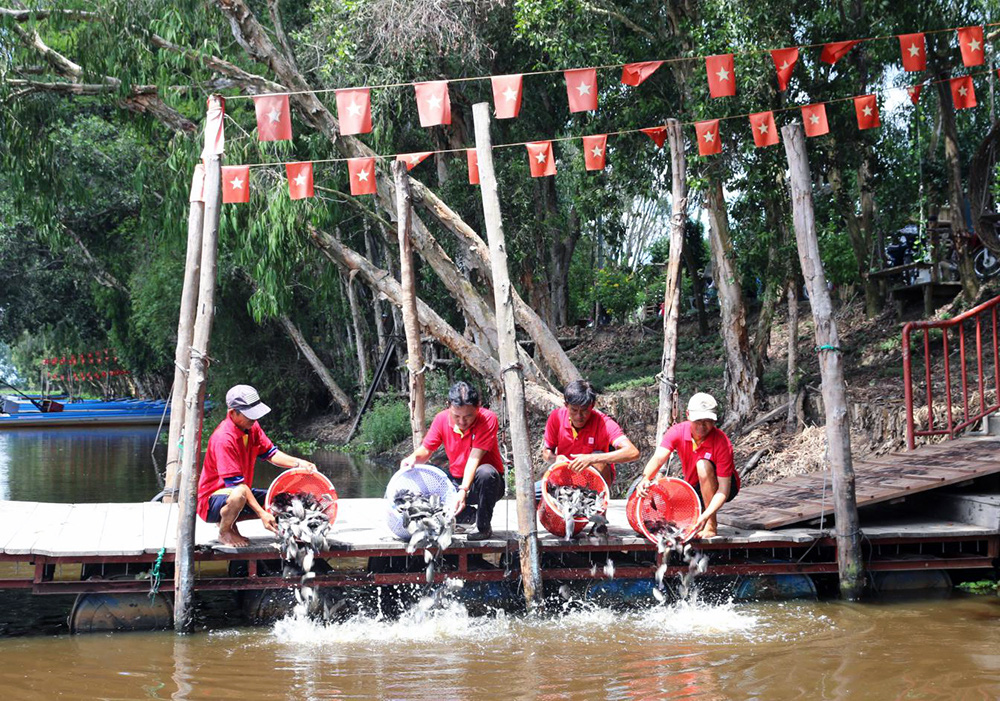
(617, 290)
(982, 586)
(385, 424)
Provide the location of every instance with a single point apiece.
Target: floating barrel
(669, 500)
(103, 613)
(560, 475)
(622, 591)
(912, 583)
(300, 479)
(775, 587)
(427, 480)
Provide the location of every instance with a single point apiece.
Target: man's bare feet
(232, 537)
(708, 532)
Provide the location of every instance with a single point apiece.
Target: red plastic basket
(300, 479)
(561, 476)
(669, 499)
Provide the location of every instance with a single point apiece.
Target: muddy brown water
(919, 649)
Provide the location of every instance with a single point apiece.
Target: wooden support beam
(510, 369)
(850, 564)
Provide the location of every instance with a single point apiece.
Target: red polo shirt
(598, 435)
(231, 453)
(716, 447)
(457, 446)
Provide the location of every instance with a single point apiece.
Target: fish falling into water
(670, 539)
(429, 523)
(581, 502)
(302, 534)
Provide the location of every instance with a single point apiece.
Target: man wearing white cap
(706, 459)
(225, 488)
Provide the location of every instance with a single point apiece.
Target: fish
(670, 539)
(577, 502)
(430, 524)
(303, 529)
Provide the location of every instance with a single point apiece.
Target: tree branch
(279, 31)
(25, 15)
(642, 31)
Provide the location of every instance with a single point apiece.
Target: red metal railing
(976, 320)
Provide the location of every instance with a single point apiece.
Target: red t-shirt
(457, 446)
(598, 435)
(716, 447)
(231, 453)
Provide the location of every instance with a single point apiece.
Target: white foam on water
(696, 619)
(450, 622)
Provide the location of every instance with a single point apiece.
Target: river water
(922, 649)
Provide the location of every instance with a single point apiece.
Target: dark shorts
(217, 501)
(734, 487)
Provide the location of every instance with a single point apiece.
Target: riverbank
(622, 362)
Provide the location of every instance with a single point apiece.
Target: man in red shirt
(225, 488)
(468, 433)
(706, 459)
(584, 436)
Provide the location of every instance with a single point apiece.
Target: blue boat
(17, 413)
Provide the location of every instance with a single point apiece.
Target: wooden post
(510, 369)
(849, 562)
(195, 400)
(185, 330)
(792, 420)
(672, 293)
(407, 279)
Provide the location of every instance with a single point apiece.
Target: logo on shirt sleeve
(591, 440)
(708, 456)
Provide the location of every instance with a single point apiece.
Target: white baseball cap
(702, 406)
(244, 399)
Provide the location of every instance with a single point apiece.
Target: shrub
(385, 424)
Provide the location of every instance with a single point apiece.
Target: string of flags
(434, 108)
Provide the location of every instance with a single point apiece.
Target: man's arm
(419, 455)
(656, 462)
(285, 460)
(475, 455)
(624, 452)
(265, 516)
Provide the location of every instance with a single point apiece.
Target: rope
(835, 349)
(154, 575)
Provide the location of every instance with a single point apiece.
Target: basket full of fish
(420, 502)
(571, 500)
(300, 480)
(671, 504)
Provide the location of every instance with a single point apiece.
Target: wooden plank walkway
(801, 498)
(95, 531)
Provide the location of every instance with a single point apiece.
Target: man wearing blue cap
(225, 488)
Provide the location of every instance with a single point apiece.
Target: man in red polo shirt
(706, 459)
(584, 436)
(225, 488)
(468, 433)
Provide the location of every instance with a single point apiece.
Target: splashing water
(670, 539)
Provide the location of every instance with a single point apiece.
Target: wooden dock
(878, 480)
(56, 548)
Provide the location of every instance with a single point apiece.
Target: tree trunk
(338, 396)
(849, 561)
(859, 235)
(376, 301)
(540, 397)
(672, 293)
(741, 375)
(791, 423)
(359, 336)
(510, 375)
(255, 40)
(774, 277)
(697, 281)
(185, 333)
(956, 194)
(195, 399)
(408, 286)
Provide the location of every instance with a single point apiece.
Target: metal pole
(511, 373)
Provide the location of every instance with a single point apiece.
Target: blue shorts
(218, 500)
